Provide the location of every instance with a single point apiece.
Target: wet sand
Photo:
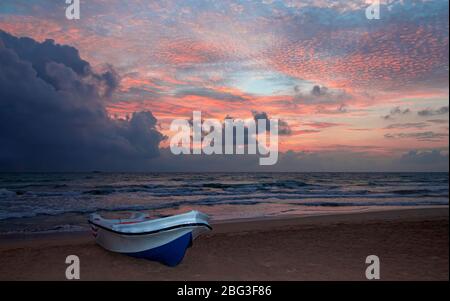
(412, 244)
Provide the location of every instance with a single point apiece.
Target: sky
(100, 92)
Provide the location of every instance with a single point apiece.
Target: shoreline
(294, 218)
(411, 243)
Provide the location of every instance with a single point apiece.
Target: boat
(163, 239)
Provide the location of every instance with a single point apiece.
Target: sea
(58, 202)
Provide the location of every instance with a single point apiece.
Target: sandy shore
(412, 244)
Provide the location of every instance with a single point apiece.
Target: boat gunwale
(153, 231)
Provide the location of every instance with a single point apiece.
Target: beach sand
(412, 244)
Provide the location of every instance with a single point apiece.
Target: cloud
(345, 159)
(397, 111)
(421, 136)
(319, 91)
(430, 112)
(341, 109)
(414, 125)
(210, 93)
(320, 95)
(438, 121)
(406, 51)
(322, 125)
(53, 114)
(207, 52)
(302, 132)
(419, 158)
(360, 129)
(283, 127)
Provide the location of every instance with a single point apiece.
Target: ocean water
(40, 202)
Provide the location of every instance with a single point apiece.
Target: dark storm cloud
(61, 65)
(53, 114)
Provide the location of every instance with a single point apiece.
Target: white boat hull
(164, 240)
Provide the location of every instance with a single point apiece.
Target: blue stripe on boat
(170, 254)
